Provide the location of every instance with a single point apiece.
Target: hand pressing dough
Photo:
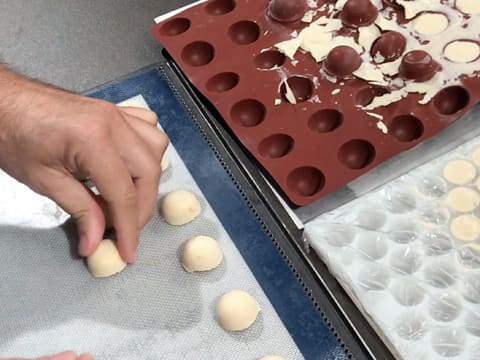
(201, 253)
(180, 207)
(136, 109)
(459, 172)
(272, 357)
(236, 310)
(465, 227)
(105, 261)
(142, 113)
(463, 199)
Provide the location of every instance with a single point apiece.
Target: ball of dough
(165, 163)
(105, 261)
(236, 310)
(272, 357)
(135, 108)
(463, 199)
(459, 172)
(130, 103)
(477, 183)
(180, 207)
(201, 253)
(465, 227)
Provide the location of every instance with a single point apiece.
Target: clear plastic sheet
(408, 254)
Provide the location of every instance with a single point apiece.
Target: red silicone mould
(324, 137)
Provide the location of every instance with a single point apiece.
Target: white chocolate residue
(367, 35)
(412, 8)
(381, 125)
(436, 27)
(371, 73)
(289, 95)
(308, 17)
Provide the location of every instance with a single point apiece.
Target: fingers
(114, 182)
(141, 113)
(85, 357)
(155, 139)
(123, 160)
(79, 202)
(143, 161)
(66, 355)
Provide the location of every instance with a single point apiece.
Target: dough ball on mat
(272, 357)
(236, 310)
(201, 253)
(180, 207)
(106, 260)
(165, 163)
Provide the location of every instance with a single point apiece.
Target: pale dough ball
(463, 199)
(459, 172)
(130, 103)
(465, 227)
(477, 183)
(468, 6)
(462, 51)
(165, 163)
(272, 357)
(430, 24)
(106, 260)
(180, 207)
(135, 108)
(236, 310)
(201, 253)
(476, 156)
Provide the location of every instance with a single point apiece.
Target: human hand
(67, 355)
(49, 135)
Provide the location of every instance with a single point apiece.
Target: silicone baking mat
(153, 309)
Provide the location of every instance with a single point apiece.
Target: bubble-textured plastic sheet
(152, 310)
(409, 255)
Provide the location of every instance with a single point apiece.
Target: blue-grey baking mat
(302, 320)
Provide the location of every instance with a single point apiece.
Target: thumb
(80, 203)
(66, 355)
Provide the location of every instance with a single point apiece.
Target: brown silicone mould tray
(226, 49)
